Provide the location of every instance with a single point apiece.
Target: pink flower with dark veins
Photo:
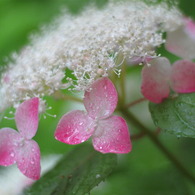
(160, 76)
(18, 147)
(109, 133)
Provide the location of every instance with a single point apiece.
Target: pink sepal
(101, 99)
(181, 42)
(155, 78)
(140, 60)
(183, 76)
(27, 117)
(9, 139)
(28, 159)
(190, 27)
(74, 127)
(112, 136)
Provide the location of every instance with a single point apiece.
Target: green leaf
(176, 115)
(76, 173)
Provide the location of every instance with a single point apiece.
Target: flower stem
(142, 134)
(122, 84)
(135, 102)
(158, 143)
(61, 96)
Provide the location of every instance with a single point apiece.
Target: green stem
(61, 96)
(135, 102)
(143, 134)
(158, 143)
(122, 84)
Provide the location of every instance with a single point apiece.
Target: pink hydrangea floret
(18, 147)
(160, 76)
(181, 42)
(109, 133)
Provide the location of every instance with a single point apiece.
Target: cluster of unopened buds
(109, 132)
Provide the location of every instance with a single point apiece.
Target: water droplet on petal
(32, 162)
(81, 123)
(12, 154)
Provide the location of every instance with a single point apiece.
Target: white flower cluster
(88, 45)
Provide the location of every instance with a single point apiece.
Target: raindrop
(155, 121)
(32, 162)
(98, 176)
(178, 136)
(12, 154)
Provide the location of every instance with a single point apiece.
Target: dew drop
(81, 123)
(155, 121)
(12, 154)
(32, 162)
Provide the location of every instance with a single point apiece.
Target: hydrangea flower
(160, 76)
(18, 147)
(182, 41)
(109, 133)
(89, 47)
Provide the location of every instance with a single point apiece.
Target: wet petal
(190, 27)
(101, 101)
(140, 60)
(74, 127)
(183, 76)
(27, 117)
(112, 136)
(28, 159)
(155, 80)
(8, 141)
(182, 41)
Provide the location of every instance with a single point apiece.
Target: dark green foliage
(76, 173)
(176, 115)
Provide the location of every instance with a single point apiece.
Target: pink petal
(155, 79)
(8, 141)
(112, 136)
(27, 117)
(190, 27)
(139, 59)
(101, 101)
(183, 76)
(74, 127)
(28, 159)
(182, 41)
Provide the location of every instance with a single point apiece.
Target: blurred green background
(145, 171)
